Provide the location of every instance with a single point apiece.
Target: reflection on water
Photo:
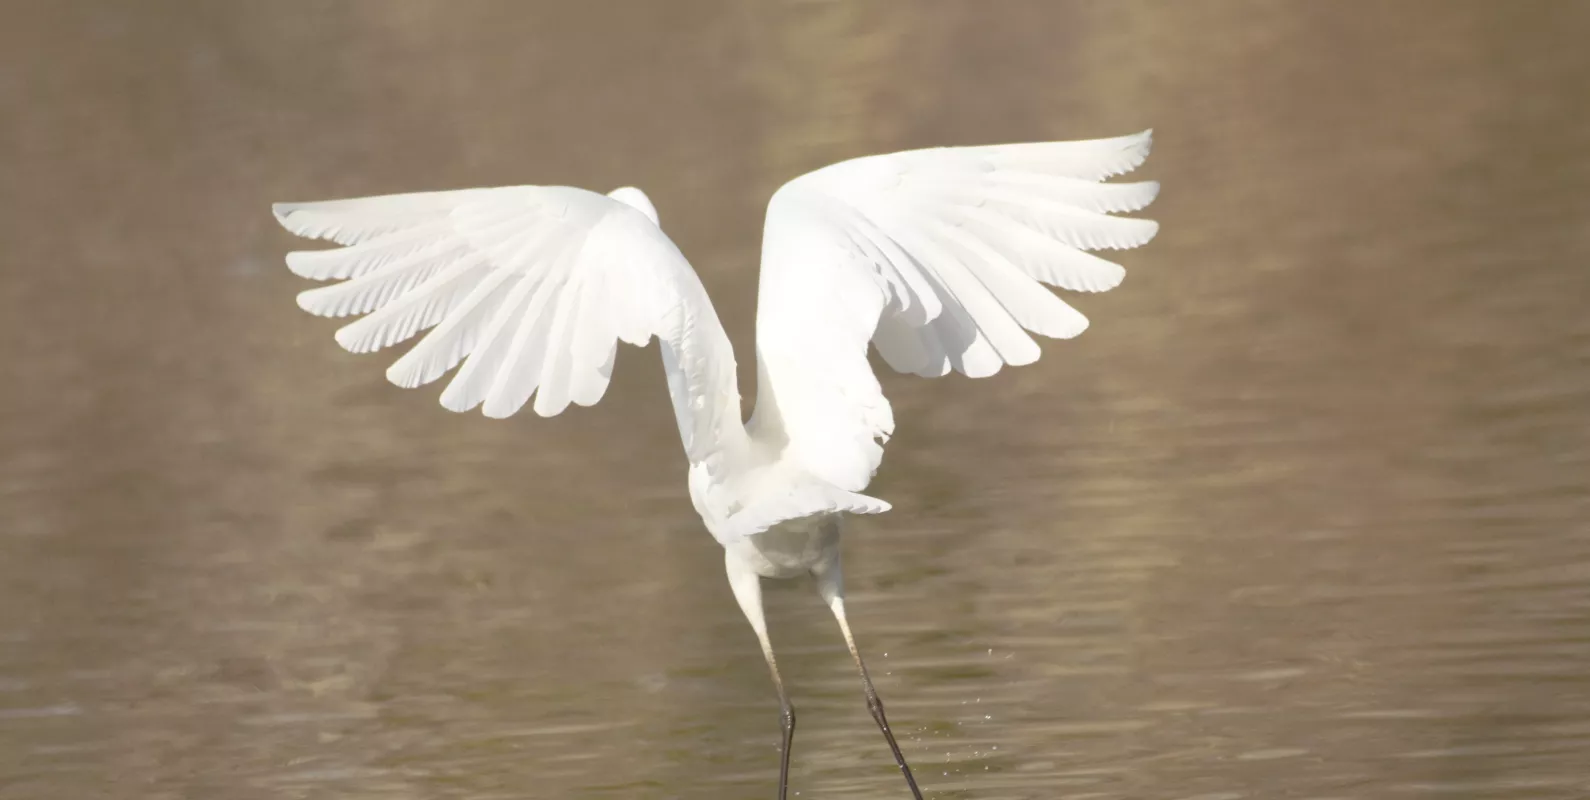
(1303, 515)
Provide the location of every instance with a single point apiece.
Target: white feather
(978, 227)
(935, 257)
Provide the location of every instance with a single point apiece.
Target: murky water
(1303, 515)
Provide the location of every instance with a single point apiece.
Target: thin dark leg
(875, 705)
(786, 723)
(830, 583)
(747, 588)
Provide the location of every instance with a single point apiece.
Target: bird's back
(766, 489)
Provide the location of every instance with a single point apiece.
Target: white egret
(934, 257)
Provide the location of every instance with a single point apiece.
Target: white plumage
(934, 257)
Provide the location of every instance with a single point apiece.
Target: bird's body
(790, 549)
(932, 257)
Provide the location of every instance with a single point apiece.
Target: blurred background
(1304, 514)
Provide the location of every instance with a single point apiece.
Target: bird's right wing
(935, 257)
(531, 288)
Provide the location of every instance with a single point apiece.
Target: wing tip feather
(1076, 330)
(284, 213)
(403, 376)
(491, 410)
(1151, 193)
(548, 409)
(1137, 148)
(458, 405)
(298, 262)
(1150, 230)
(308, 300)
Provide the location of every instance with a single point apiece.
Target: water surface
(1303, 514)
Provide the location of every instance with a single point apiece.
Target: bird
(935, 258)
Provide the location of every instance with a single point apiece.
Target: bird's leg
(830, 583)
(747, 586)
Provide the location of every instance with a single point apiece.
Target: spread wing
(936, 258)
(530, 288)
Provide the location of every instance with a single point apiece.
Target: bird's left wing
(936, 258)
(531, 287)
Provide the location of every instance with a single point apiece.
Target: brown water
(1304, 515)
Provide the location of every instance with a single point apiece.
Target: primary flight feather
(934, 257)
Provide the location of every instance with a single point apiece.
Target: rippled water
(1303, 515)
